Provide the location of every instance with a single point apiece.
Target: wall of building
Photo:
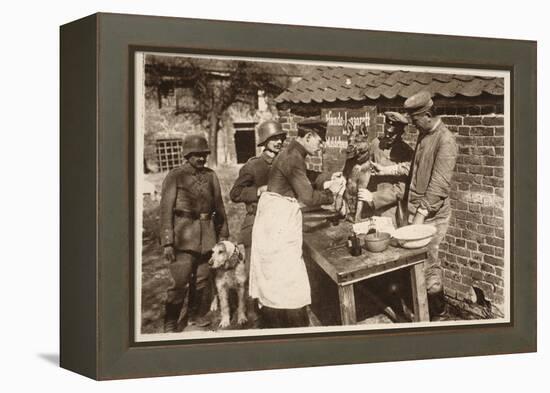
(472, 253)
(166, 123)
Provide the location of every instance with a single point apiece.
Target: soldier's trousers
(276, 318)
(433, 271)
(192, 289)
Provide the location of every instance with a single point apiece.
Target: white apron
(278, 276)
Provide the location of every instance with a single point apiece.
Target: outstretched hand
(377, 169)
(365, 195)
(336, 185)
(418, 219)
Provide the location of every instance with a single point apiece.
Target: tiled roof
(329, 84)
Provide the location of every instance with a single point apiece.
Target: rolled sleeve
(388, 196)
(403, 168)
(318, 179)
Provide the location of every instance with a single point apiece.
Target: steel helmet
(269, 129)
(194, 144)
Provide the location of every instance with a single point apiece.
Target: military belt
(193, 215)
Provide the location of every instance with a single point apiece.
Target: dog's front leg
(224, 306)
(241, 308)
(214, 304)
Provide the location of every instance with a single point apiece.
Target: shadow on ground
(52, 358)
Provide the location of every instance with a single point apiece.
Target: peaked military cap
(314, 124)
(419, 103)
(396, 117)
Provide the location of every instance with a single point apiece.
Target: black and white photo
(280, 196)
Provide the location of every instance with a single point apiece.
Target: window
(245, 141)
(169, 154)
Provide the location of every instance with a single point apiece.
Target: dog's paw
(224, 323)
(214, 305)
(242, 319)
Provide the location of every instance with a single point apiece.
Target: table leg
(347, 304)
(419, 294)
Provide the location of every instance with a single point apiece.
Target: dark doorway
(245, 141)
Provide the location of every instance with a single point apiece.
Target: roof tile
(328, 84)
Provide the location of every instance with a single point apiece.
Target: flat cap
(396, 117)
(419, 103)
(314, 124)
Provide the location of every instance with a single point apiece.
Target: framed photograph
(253, 196)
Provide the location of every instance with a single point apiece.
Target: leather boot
(171, 318)
(437, 306)
(200, 315)
(297, 317)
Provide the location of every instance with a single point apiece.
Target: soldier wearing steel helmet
(253, 176)
(192, 221)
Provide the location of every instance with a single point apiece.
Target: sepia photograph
(285, 196)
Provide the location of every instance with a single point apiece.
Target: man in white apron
(278, 276)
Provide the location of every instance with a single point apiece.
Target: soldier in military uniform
(252, 180)
(278, 276)
(391, 159)
(192, 221)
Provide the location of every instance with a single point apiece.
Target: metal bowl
(377, 242)
(414, 236)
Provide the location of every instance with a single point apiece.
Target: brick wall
(473, 250)
(472, 253)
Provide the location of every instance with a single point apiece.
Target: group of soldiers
(273, 186)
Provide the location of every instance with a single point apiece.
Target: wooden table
(346, 270)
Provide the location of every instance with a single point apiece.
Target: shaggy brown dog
(227, 263)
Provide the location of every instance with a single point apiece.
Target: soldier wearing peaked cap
(278, 275)
(312, 125)
(192, 221)
(427, 193)
(391, 158)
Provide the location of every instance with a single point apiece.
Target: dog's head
(226, 255)
(358, 144)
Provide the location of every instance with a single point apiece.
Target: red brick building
(473, 108)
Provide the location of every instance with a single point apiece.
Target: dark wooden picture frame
(97, 222)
